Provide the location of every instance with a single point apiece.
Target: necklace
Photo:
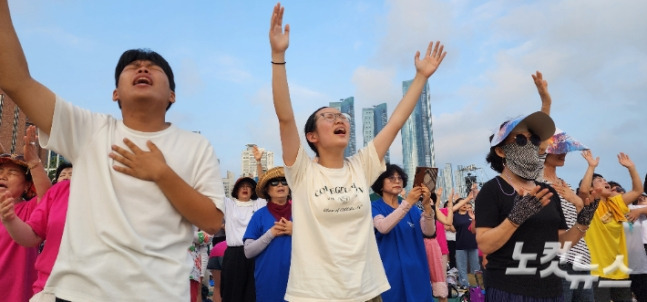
(511, 182)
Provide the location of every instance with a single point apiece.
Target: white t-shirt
(334, 252)
(123, 240)
(634, 234)
(237, 216)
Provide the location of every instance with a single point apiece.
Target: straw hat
(275, 172)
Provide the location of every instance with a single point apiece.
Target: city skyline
(364, 49)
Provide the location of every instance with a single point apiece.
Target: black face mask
(523, 161)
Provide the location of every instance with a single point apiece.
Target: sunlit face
(332, 129)
(143, 80)
(601, 187)
(13, 179)
(393, 184)
(277, 188)
(245, 192)
(66, 174)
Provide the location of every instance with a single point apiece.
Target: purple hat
(538, 123)
(562, 143)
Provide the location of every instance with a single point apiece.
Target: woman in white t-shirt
(334, 252)
(237, 275)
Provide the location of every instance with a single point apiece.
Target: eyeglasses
(521, 139)
(275, 182)
(394, 178)
(332, 116)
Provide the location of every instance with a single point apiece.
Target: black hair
(496, 162)
(141, 54)
(595, 175)
(239, 182)
(62, 166)
(391, 169)
(311, 126)
(615, 184)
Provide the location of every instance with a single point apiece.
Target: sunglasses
(521, 140)
(275, 182)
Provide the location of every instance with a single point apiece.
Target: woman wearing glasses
(400, 227)
(268, 239)
(334, 253)
(518, 217)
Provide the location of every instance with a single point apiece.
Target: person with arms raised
(140, 183)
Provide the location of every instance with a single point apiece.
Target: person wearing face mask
(237, 281)
(513, 210)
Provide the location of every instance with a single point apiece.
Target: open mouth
(340, 130)
(142, 80)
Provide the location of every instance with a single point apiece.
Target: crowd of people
(141, 221)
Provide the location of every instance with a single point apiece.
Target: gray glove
(585, 216)
(524, 207)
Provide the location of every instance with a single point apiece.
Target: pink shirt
(16, 261)
(440, 234)
(47, 221)
(218, 250)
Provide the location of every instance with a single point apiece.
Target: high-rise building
(249, 162)
(417, 135)
(228, 182)
(445, 181)
(373, 120)
(347, 106)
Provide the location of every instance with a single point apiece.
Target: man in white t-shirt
(139, 183)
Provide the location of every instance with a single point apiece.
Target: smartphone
(426, 176)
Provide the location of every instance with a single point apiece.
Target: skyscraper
(417, 135)
(347, 106)
(373, 120)
(248, 161)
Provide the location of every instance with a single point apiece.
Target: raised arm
(279, 41)
(636, 186)
(42, 183)
(425, 67)
(542, 88)
(258, 155)
(36, 100)
(585, 184)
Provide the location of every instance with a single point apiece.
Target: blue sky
(593, 54)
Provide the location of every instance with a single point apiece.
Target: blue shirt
(404, 256)
(272, 265)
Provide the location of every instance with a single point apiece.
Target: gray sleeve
(253, 247)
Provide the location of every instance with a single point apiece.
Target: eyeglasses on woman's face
(333, 116)
(275, 182)
(395, 178)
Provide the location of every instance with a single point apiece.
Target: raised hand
(258, 153)
(31, 146)
(588, 156)
(625, 161)
(279, 38)
(432, 59)
(145, 165)
(542, 85)
(567, 193)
